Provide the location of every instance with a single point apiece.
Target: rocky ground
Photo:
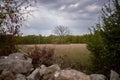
(17, 67)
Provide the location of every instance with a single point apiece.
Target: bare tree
(12, 14)
(62, 32)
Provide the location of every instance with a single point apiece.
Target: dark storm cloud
(82, 4)
(76, 7)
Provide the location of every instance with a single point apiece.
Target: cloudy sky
(77, 15)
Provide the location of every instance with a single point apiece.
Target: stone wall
(17, 67)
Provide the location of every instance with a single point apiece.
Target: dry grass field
(74, 52)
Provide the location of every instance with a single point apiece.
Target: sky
(77, 15)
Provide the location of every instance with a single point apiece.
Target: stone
(71, 75)
(97, 77)
(20, 77)
(49, 72)
(37, 73)
(42, 69)
(54, 73)
(16, 63)
(114, 75)
(34, 75)
(17, 56)
(7, 75)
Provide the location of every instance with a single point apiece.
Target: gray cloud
(78, 15)
(76, 7)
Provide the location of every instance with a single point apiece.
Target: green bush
(104, 43)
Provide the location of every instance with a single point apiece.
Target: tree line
(62, 35)
(51, 39)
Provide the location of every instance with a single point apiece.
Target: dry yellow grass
(75, 52)
(61, 48)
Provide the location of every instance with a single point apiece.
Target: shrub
(42, 56)
(105, 42)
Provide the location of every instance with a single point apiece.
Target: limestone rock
(114, 75)
(49, 72)
(7, 75)
(71, 75)
(16, 56)
(37, 73)
(34, 75)
(20, 77)
(42, 69)
(54, 73)
(16, 63)
(97, 77)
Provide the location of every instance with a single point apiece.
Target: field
(70, 53)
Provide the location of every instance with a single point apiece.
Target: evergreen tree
(110, 33)
(105, 41)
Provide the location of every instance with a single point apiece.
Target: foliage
(96, 46)
(52, 39)
(110, 34)
(105, 41)
(12, 14)
(42, 56)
